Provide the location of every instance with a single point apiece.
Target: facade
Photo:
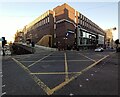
(19, 36)
(64, 27)
(41, 29)
(109, 39)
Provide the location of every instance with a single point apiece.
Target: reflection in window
(84, 34)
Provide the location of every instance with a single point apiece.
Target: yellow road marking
(66, 68)
(40, 60)
(50, 73)
(35, 78)
(57, 61)
(88, 57)
(51, 91)
(75, 76)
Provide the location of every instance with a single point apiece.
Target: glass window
(48, 19)
(54, 35)
(87, 35)
(44, 21)
(39, 23)
(84, 34)
(84, 41)
(81, 16)
(83, 23)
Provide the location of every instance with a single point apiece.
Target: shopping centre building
(64, 27)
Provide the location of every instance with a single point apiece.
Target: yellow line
(66, 67)
(75, 76)
(35, 78)
(88, 57)
(50, 73)
(57, 61)
(40, 60)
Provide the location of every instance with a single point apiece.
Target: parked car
(99, 49)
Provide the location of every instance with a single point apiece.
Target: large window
(100, 39)
(87, 38)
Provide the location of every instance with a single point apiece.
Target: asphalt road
(61, 73)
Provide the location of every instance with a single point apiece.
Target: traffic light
(3, 41)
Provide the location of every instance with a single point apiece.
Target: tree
(117, 41)
(117, 47)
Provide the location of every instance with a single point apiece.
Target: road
(61, 73)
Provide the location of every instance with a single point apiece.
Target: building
(64, 27)
(109, 39)
(19, 36)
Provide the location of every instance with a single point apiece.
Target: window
(83, 23)
(84, 34)
(44, 21)
(87, 35)
(54, 26)
(41, 22)
(81, 16)
(48, 19)
(54, 35)
(75, 19)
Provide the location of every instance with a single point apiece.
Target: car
(99, 49)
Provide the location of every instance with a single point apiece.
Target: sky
(15, 15)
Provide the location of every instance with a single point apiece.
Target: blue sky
(15, 15)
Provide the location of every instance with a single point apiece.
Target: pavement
(61, 73)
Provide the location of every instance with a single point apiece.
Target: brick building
(64, 27)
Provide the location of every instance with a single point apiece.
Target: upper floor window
(48, 20)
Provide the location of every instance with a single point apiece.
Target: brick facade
(64, 27)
